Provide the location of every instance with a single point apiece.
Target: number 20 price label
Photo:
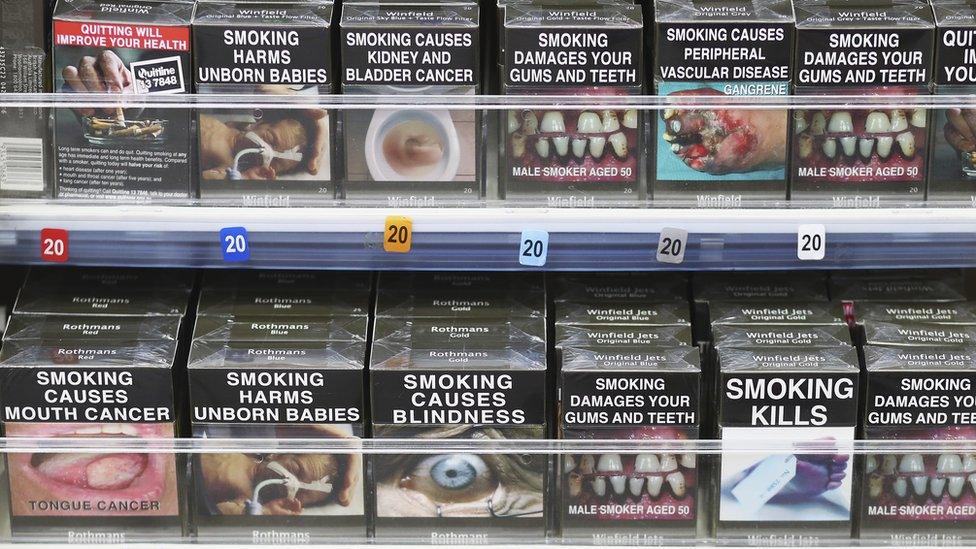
(533, 248)
(811, 242)
(234, 244)
(54, 245)
(398, 234)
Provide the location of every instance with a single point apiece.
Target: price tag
(54, 245)
(234, 244)
(671, 245)
(811, 242)
(398, 234)
(533, 248)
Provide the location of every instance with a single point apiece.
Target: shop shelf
(489, 238)
(480, 232)
(704, 491)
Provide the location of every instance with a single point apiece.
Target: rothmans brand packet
(92, 387)
(460, 379)
(278, 390)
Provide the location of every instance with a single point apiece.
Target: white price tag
(811, 242)
(533, 248)
(671, 245)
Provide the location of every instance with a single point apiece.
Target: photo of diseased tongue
(93, 471)
(724, 141)
(92, 484)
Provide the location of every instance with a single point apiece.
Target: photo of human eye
(451, 478)
(460, 484)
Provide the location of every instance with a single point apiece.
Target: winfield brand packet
(412, 157)
(721, 157)
(265, 156)
(634, 393)
(806, 396)
(860, 158)
(572, 157)
(921, 394)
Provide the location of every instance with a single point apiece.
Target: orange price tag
(398, 234)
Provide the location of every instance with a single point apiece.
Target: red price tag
(54, 245)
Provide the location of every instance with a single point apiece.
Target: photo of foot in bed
(721, 143)
(281, 483)
(811, 484)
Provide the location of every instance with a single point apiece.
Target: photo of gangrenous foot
(725, 141)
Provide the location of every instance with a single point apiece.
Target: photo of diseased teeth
(905, 489)
(925, 395)
(860, 145)
(111, 484)
(647, 486)
(561, 146)
(751, 143)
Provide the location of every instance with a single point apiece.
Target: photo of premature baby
(258, 144)
(279, 484)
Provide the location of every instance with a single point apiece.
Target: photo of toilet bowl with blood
(630, 393)
(847, 157)
(725, 156)
(412, 156)
(923, 394)
(564, 157)
(802, 492)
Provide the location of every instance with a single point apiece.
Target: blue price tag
(234, 244)
(533, 248)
